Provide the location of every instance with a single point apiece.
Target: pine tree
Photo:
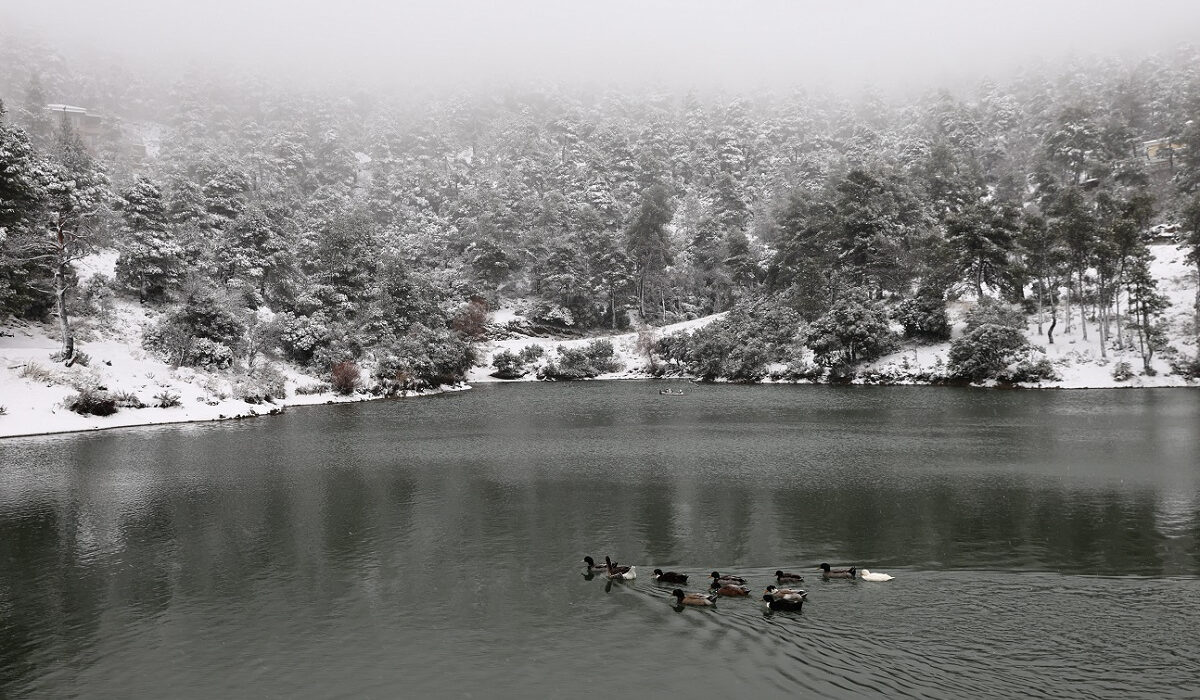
(150, 262)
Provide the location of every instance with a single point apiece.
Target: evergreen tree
(150, 263)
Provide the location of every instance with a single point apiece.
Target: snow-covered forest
(256, 230)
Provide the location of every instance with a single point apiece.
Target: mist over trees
(325, 227)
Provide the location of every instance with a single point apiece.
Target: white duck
(866, 575)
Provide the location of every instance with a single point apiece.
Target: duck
(593, 566)
(718, 578)
(699, 600)
(729, 589)
(669, 577)
(836, 573)
(866, 575)
(620, 572)
(784, 577)
(786, 592)
(792, 604)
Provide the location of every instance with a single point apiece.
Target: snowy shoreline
(33, 400)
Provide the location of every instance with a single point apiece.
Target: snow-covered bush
(422, 358)
(596, 358)
(263, 383)
(510, 365)
(202, 332)
(923, 318)
(985, 352)
(1122, 371)
(127, 399)
(167, 399)
(1029, 371)
(91, 402)
(1186, 367)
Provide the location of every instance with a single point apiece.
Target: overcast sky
(670, 42)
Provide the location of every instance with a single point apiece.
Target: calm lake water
(1043, 543)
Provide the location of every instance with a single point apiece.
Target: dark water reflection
(1044, 542)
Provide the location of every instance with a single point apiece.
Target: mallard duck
(697, 599)
(669, 577)
(784, 577)
(786, 592)
(729, 589)
(775, 603)
(718, 578)
(836, 573)
(866, 575)
(593, 566)
(620, 572)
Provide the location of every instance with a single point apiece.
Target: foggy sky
(837, 43)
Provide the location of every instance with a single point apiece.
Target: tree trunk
(60, 297)
(1082, 308)
(1067, 308)
(1039, 307)
(1053, 321)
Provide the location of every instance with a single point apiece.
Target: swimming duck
(784, 577)
(718, 578)
(593, 566)
(836, 573)
(866, 575)
(614, 571)
(786, 592)
(669, 577)
(696, 599)
(793, 604)
(729, 589)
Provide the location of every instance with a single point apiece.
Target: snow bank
(33, 388)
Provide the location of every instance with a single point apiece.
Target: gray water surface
(1044, 544)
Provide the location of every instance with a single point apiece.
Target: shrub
(471, 320)
(127, 399)
(345, 377)
(39, 373)
(852, 332)
(995, 314)
(1122, 371)
(592, 360)
(511, 365)
(3, 410)
(421, 358)
(202, 332)
(1029, 371)
(923, 318)
(985, 352)
(309, 389)
(508, 365)
(167, 399)
(90, 402)
(531, 353)
(1186, 367)
(264, 383)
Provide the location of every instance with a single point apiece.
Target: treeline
(327, 228)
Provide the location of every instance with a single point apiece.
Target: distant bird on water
(699, 600)
(729, 589)
(836, 573)
(669, 577)
(792, 604)
(784, 577)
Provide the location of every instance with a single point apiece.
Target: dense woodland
(328, 227)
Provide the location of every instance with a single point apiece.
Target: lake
(1044, 543)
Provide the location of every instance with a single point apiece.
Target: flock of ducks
(782, 597)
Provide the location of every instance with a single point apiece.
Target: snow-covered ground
(1079, 362)
(32, 387)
